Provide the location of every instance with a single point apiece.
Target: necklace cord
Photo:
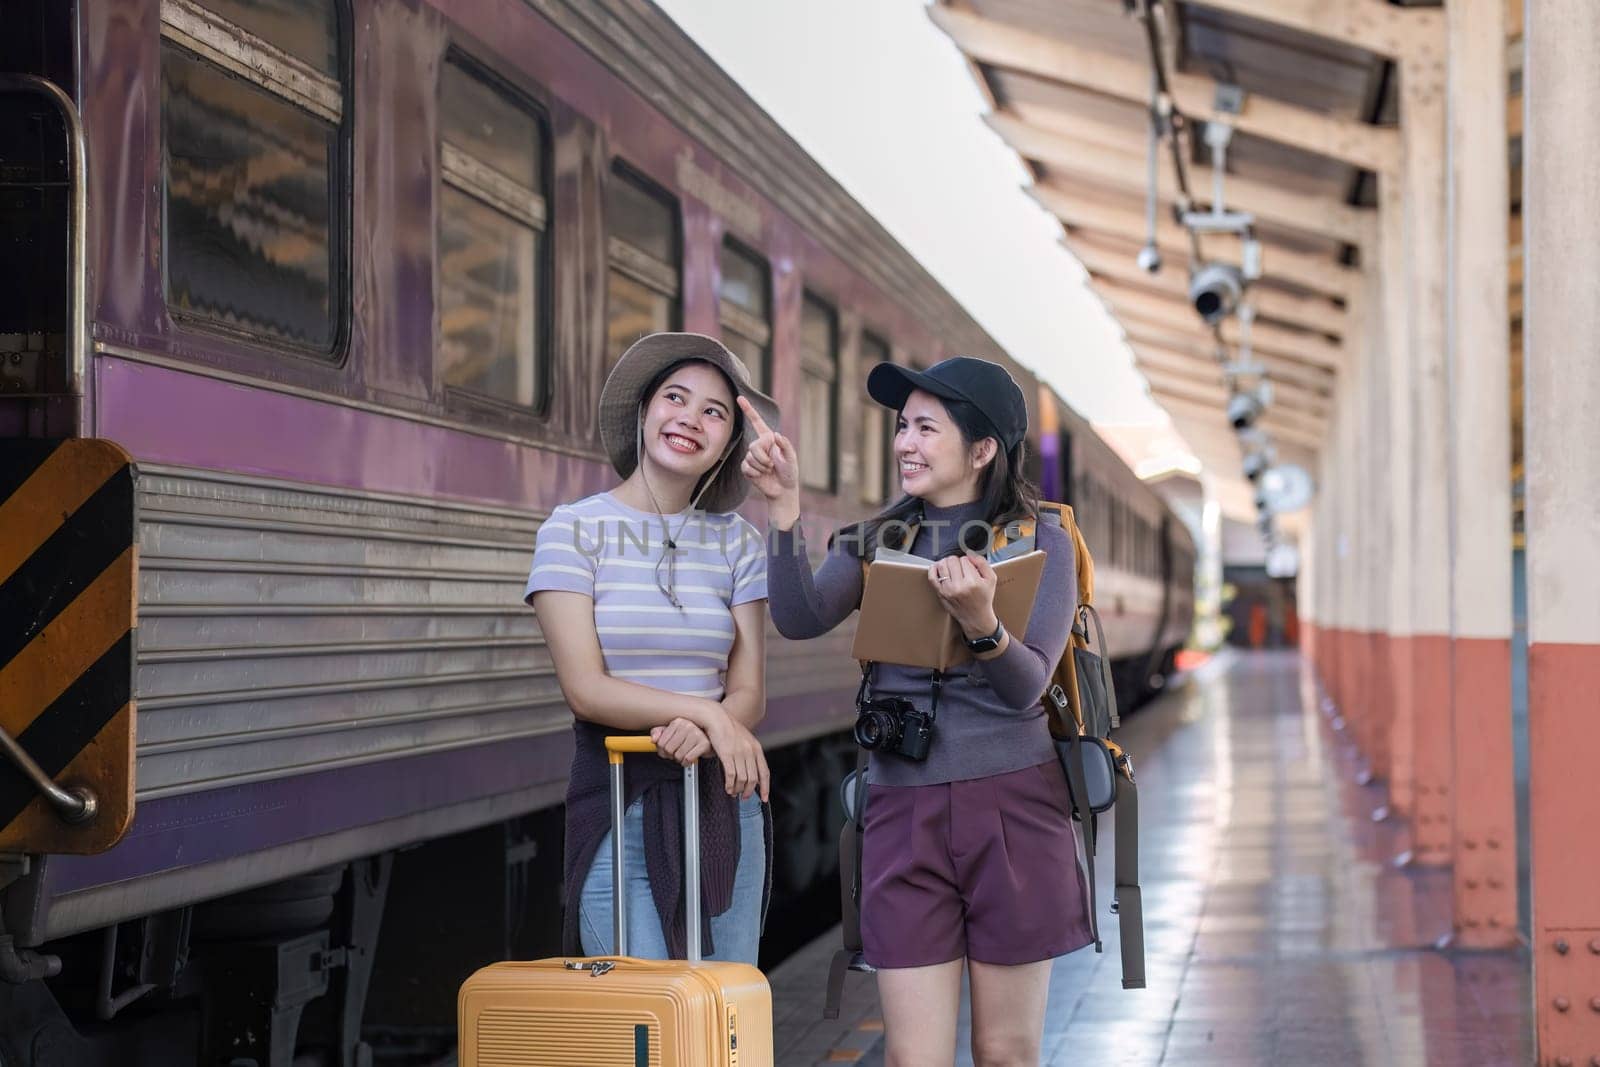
(669, 550)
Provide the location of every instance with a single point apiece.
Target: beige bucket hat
(639, 365)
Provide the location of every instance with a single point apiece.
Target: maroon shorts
(986, 869)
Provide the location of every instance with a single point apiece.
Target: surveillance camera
(1243, 410)
(1149, 259)
(1255, 464)
(1214, 290)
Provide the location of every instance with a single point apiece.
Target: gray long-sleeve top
(990, 720)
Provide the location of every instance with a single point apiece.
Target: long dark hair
(713, 481)
(1004, 493)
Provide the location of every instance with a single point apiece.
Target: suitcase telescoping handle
(616, 749)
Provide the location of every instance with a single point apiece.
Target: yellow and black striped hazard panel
(68, 574)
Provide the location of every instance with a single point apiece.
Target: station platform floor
(1279, 928)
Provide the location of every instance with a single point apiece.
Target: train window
(492, 242)
(253, 119)
(1102, 520)
(746, 310)
(1114, 530)
(877, 431)
(819, 392)
(643, 284)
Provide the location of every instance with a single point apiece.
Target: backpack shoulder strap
(1129, 897)
(1080, 552)
(1088, 611)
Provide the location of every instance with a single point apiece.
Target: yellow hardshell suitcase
(616, 1010)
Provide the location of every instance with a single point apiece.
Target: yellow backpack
(1091, 700)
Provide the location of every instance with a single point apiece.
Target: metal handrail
(75, 804)
(78, 216)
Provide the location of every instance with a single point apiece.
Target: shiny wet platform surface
(1278, 928)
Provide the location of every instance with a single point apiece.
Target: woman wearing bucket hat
(652, 598)
(968, 855)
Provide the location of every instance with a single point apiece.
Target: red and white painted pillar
(1353, 448)
(1308, 579)
(1561, 446)
(1485, 839)
(1376, 462)
(1339, 463)
(1395, 645)
(1423, 190)
(1325, 561)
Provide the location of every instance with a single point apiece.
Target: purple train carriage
(344, 277)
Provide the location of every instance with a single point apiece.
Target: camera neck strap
(864, 693)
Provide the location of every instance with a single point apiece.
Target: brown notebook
(903, 621)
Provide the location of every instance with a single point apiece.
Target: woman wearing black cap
(968, 856)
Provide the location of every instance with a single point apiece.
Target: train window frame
(829, 369)
(235, 52)
(458, 170)
(624, 257)
(742, 322)
(885, 421)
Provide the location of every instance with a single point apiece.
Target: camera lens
(875, 729)
(868, 734)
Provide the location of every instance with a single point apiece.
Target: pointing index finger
(754, 416)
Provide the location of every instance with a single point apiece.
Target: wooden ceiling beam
(1400, 33)
(1277, 426)
(1316, 273)
(1209, 372)
(1203, 433)
(1308, 313)
(1154, 308)
(1285, 399)
(1013, 48)
(1207, 369)
(1155, 345)
(1317, 215)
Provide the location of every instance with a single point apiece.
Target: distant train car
(346, 282)
(1144, 554)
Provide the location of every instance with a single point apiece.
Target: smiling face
(689, 421)
(936, 463)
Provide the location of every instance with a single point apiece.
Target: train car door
(41, 276)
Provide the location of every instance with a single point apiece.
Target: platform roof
(1069, 88)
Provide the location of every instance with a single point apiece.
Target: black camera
(891, 725)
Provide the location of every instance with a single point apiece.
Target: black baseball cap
(984, 385)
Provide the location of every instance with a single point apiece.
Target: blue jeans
(736, 932)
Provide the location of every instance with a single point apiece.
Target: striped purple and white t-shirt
(608, 551)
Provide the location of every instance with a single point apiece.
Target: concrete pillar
(1376, 461)
(1561, 442)
(1305, 587)
(1423, 189)
(1357, 713)
(1339, 572)
(1323, 560)
(1485, 839)
(1396, 644)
